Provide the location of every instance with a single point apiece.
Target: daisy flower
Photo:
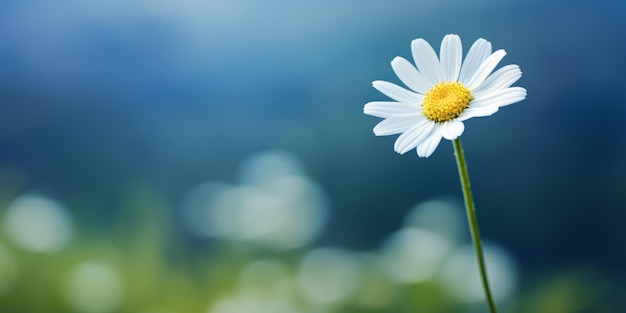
(443, 92)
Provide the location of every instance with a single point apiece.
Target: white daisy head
(443, 92)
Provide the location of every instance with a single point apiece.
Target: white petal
(477, 54)
(500, 79)
(451, 56)
(485, 69)
(428, 146)
(412, 137)
(500, 97)
(387, 109)
(477, 112)
(452, 129)
(396, 92)
(396, 125)
(426, 60)
(409, 75)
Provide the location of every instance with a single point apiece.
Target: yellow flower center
(445, 101)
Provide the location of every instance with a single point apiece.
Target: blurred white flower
(37, 223)
(444, 92)
(265, 165)
(374, 291)
(94, 286)
(276, 205)
(413, 255)
(460, 273)
(264, 286)
(328, 275)
(444, 216)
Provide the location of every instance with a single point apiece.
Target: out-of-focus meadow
(212, 156)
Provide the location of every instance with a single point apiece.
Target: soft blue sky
(95, 94)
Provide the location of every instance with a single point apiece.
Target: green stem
(473, 222)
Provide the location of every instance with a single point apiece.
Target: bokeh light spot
(413, 255)
(37, 223)
(444, 216)
(276, 206)
(94, 286)
(460, 273)
(328, 275)
(269, 164)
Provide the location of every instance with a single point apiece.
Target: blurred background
(212, 156)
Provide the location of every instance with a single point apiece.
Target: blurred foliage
(142, 264)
